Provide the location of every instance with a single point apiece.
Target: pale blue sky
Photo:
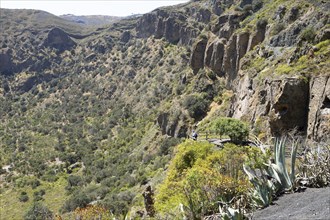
(88, 7)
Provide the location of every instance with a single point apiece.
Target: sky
(89, 7)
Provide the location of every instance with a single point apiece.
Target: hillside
(93, 114)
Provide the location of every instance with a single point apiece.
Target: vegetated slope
(91, 104)
(104, 107)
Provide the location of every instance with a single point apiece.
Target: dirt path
(313, 204)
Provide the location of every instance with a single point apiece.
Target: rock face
(285, 105)
(319, 109)
(282, 104)
(258, 36)
(222, 56)
(59, 40)
(289, 109)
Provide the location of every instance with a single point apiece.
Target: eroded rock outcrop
(230, 58)
(258, 36)
(223, 52)
(214, 55)
(59, 39)
(197, 57)
(125, 36)
(148, 196)
(172, 126)
(172, 26)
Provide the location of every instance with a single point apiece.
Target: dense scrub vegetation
(97, 123)
(201, 177)
(90, 128)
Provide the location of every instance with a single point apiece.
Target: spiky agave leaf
(293, 160)
(278, 170)
(263, 188)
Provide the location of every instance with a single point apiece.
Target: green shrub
(77, 200)
(168, 144)
(35, 183)
(308, 34)
(74, 181)
(277, 28)
(38, 195)
(234, 128)
(23, 197)
(196, 105)
(50, 176)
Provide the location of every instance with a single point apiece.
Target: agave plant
(263, 188)
(278, 170)
(228, 213)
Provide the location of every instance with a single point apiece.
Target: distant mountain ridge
(91, 19)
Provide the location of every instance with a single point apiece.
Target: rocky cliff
(262, 96)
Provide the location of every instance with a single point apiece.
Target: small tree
(196, 105)
(23, 197)
(234, 128)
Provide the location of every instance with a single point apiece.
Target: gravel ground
(312, 204)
